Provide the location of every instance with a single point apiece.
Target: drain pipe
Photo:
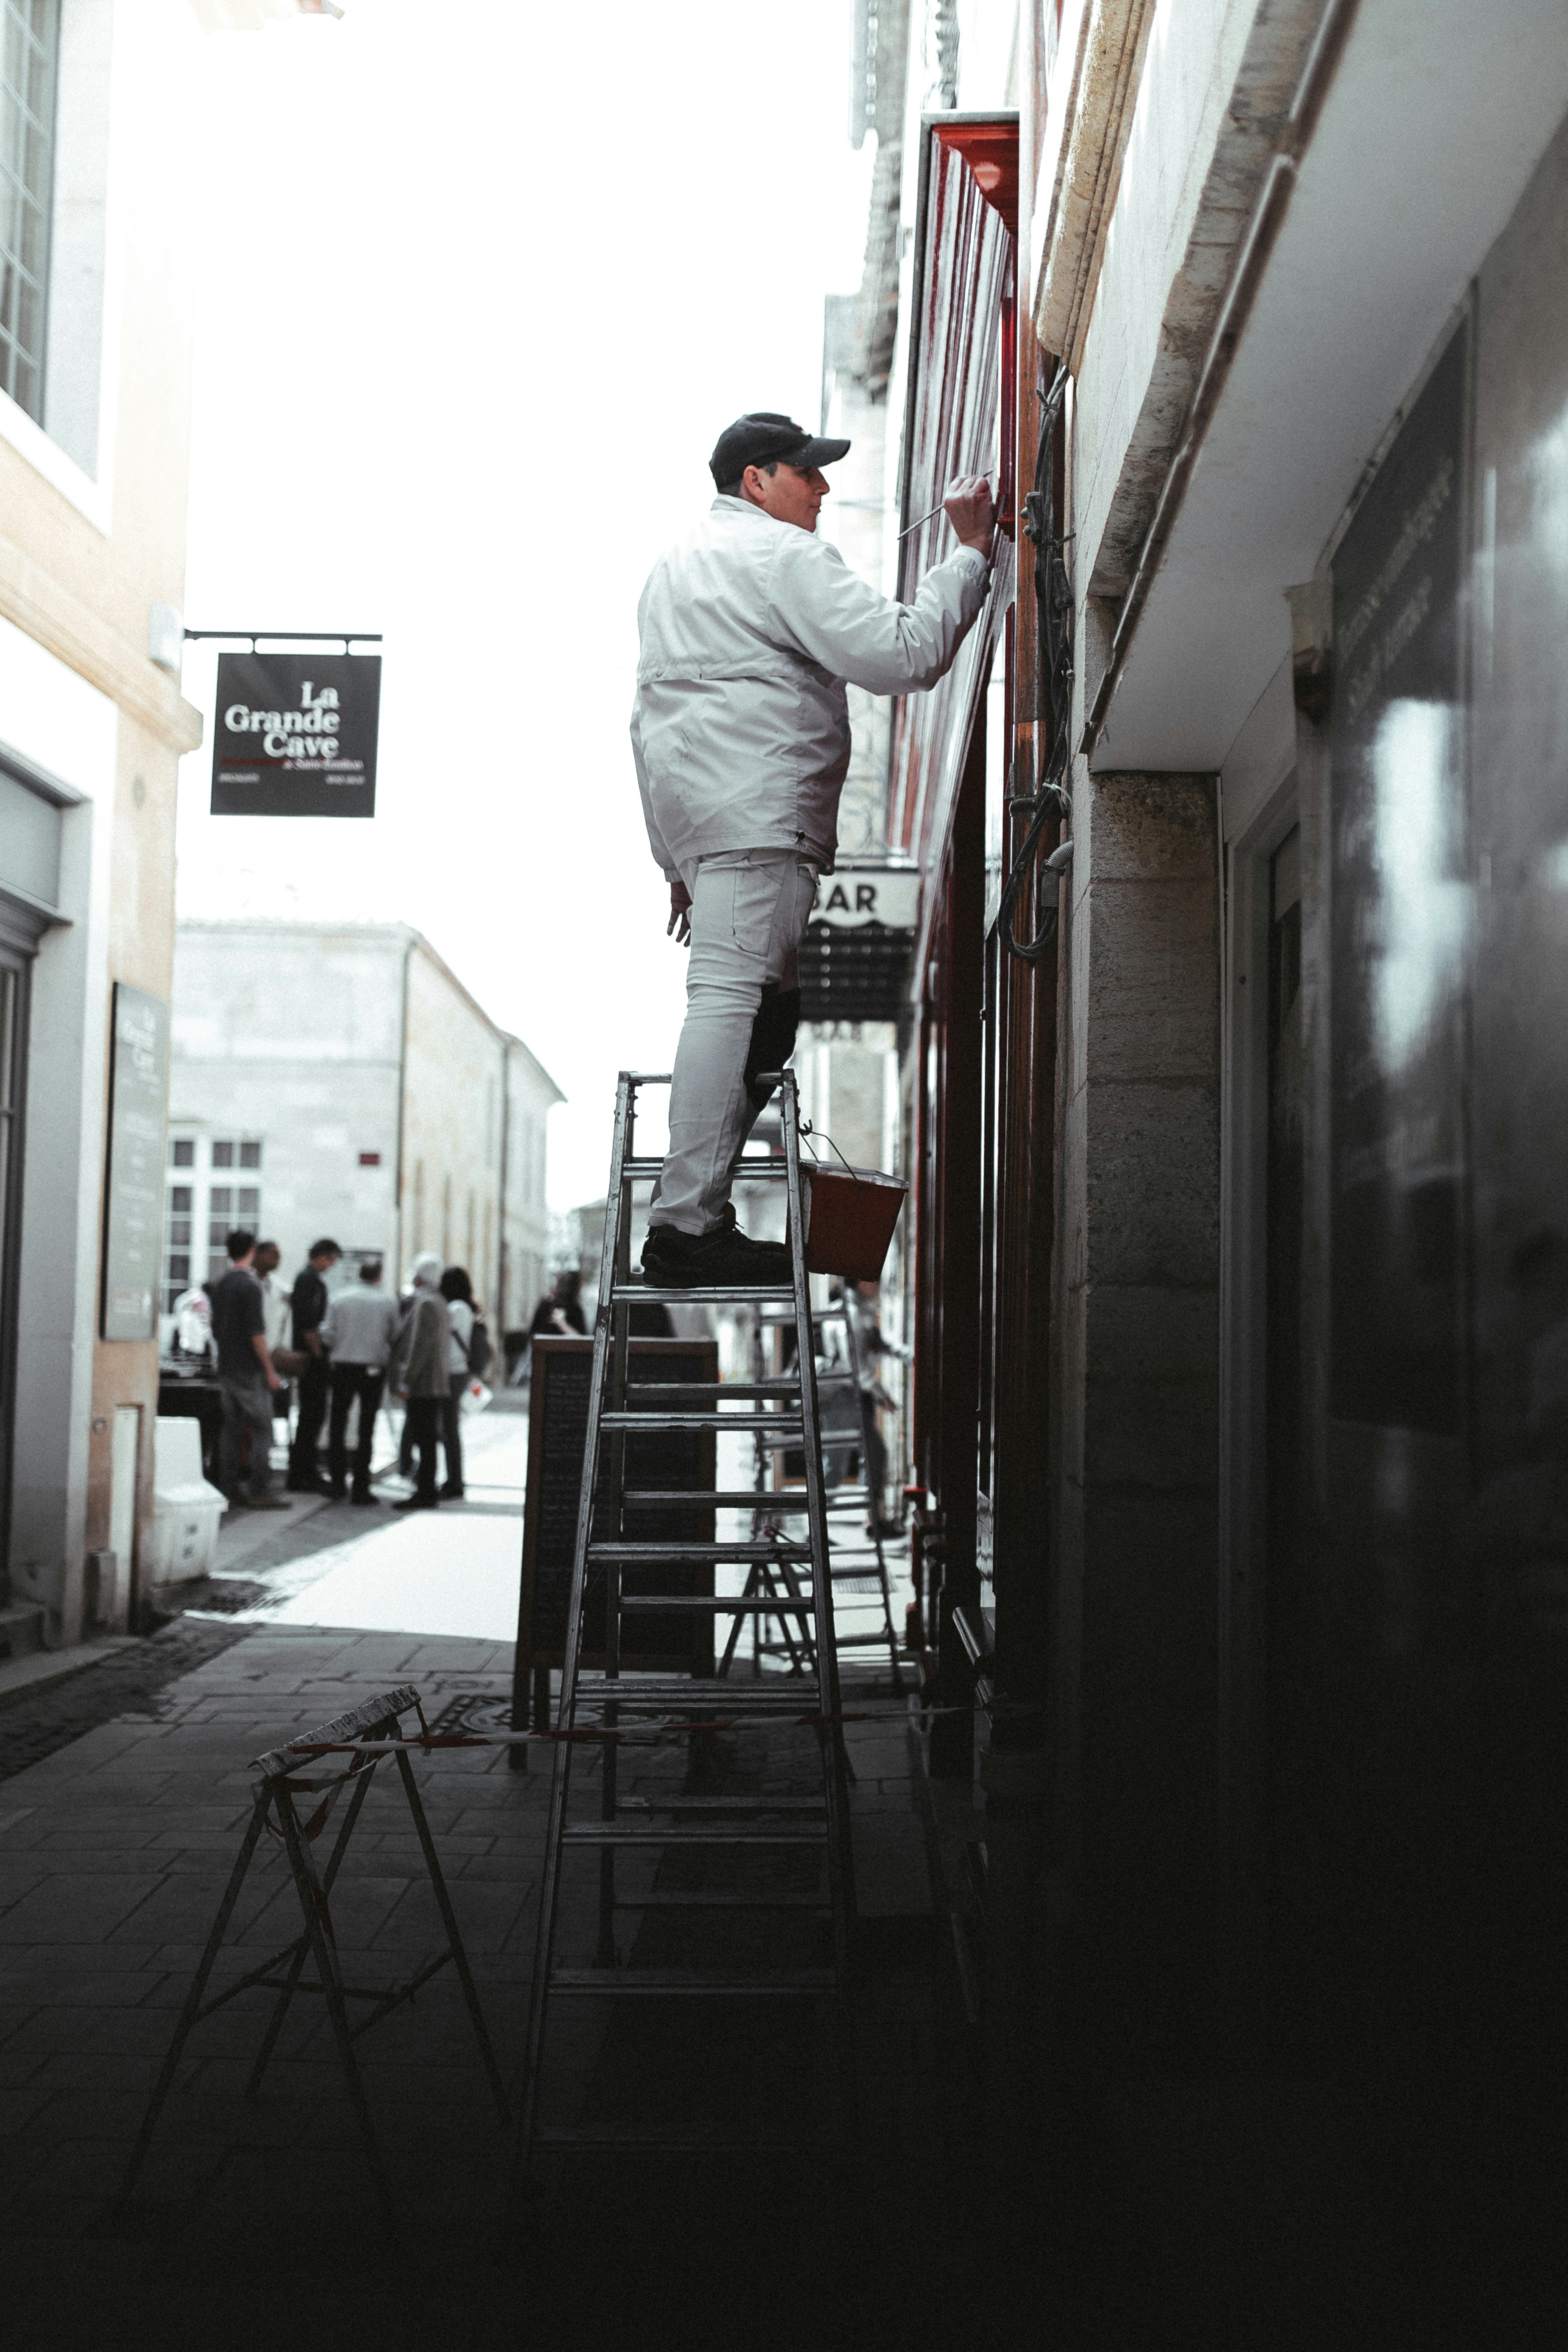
(1268, 219)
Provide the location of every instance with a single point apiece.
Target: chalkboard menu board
(133, 1193)
(666, 1459)
(1397, 927)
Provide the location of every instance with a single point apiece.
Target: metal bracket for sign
(253, 637)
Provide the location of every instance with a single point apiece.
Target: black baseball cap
(763, 435)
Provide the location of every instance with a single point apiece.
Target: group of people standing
(343, 1347)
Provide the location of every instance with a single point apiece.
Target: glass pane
(249, 1200)
(217, 1265)
(179, 1268)
(179, 1196)
(7, 296)
(221, 1201)
(180, 1231)
(183, 1155)
(24, 385)
(223, 1155)
(250, 1155)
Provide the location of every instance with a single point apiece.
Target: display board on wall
(669, 1459)
(295, 734)
(133, 1186)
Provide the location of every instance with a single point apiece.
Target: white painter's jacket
(750, 630)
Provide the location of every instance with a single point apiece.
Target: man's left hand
(679, 926)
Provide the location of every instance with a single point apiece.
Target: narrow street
(114, 1848)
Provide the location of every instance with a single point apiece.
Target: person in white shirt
(357, 1331)
(750, 629)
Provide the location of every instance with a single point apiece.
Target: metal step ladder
(771, 1575)
(625, 1829)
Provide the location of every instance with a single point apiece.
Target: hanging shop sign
(133, 1193)
(855, 957)
(295, 734)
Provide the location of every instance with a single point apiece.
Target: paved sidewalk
(254, 2219)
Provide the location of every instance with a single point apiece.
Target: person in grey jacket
(358, 1332)
(419, 1373)
(750, 629)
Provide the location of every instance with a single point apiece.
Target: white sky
(479, 284)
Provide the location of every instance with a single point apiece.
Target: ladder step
(810, 1808)
(666, 1388)
(605, 1833)
(746, 1172)
(707, 1294)
(740, 1499)
(661, 1901)
(637, 1552)
(618, 1984)
(776, 1604)
(785, 1427)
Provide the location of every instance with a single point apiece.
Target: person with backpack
(468, 1357)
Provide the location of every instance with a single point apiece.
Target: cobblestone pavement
(39, 1718)
(253, 2220)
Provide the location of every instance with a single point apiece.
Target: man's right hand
(968, 508)
(679, 926)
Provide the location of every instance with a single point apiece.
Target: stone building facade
(340, 1080)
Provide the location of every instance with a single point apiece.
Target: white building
(95, 268)
(339, 1080)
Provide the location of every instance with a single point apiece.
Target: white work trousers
(749, 907)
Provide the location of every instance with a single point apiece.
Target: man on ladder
(750, 629)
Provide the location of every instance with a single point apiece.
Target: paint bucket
(850, 1213)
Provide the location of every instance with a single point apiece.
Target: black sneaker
(725, 1259)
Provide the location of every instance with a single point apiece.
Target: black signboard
(1398, 917)
(295, 734)
(854, 958)
(671, 1459)
(133, 1193)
